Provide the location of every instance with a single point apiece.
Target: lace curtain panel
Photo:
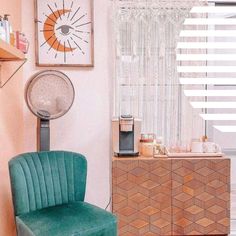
(146, 83)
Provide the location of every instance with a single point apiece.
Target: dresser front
(171, 196)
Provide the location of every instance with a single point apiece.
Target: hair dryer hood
(49, 94)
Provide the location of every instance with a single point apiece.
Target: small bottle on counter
(2, 30)
(7, 27)
(12, 39)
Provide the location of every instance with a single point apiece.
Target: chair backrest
(44, 179)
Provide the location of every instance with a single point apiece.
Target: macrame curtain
(146, 81)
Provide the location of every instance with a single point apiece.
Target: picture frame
(64, 33)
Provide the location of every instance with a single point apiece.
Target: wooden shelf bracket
(18, 67)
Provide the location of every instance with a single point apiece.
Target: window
(146, 78)
(160, 44)
(208, 62)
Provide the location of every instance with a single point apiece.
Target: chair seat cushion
(73, 219)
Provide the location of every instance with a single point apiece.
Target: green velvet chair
(48, 191)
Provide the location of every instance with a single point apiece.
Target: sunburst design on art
(64, 29)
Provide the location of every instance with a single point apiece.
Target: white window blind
(206, 52)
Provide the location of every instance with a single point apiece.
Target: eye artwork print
(64, 33)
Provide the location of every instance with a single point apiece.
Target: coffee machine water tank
(126, 131)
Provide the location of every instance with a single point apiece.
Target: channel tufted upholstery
(47, 179)
(48, 195)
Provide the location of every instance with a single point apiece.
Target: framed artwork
(64, 33)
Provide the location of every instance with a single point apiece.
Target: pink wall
(86, 128)
(11, 125)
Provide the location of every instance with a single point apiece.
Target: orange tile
(205, 222)
(139, 223)
(194, 209)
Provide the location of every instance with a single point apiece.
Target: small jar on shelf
(159, 148)
(147, 145)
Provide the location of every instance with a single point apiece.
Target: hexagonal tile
(215, 209)
(161, 223)
(194, 209)
(205, 222)
(194, 184)
(139, 223)
(138, 171)
(183, 222)
(150, 210)
(160, 171)
(149, 184)
(117, 198)
(216, 183)
(138, 198)
(225, 222)
(183, 171)
(183, 197)
(126, 185)
(204, 196)
(127, 211)
(205, 171)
